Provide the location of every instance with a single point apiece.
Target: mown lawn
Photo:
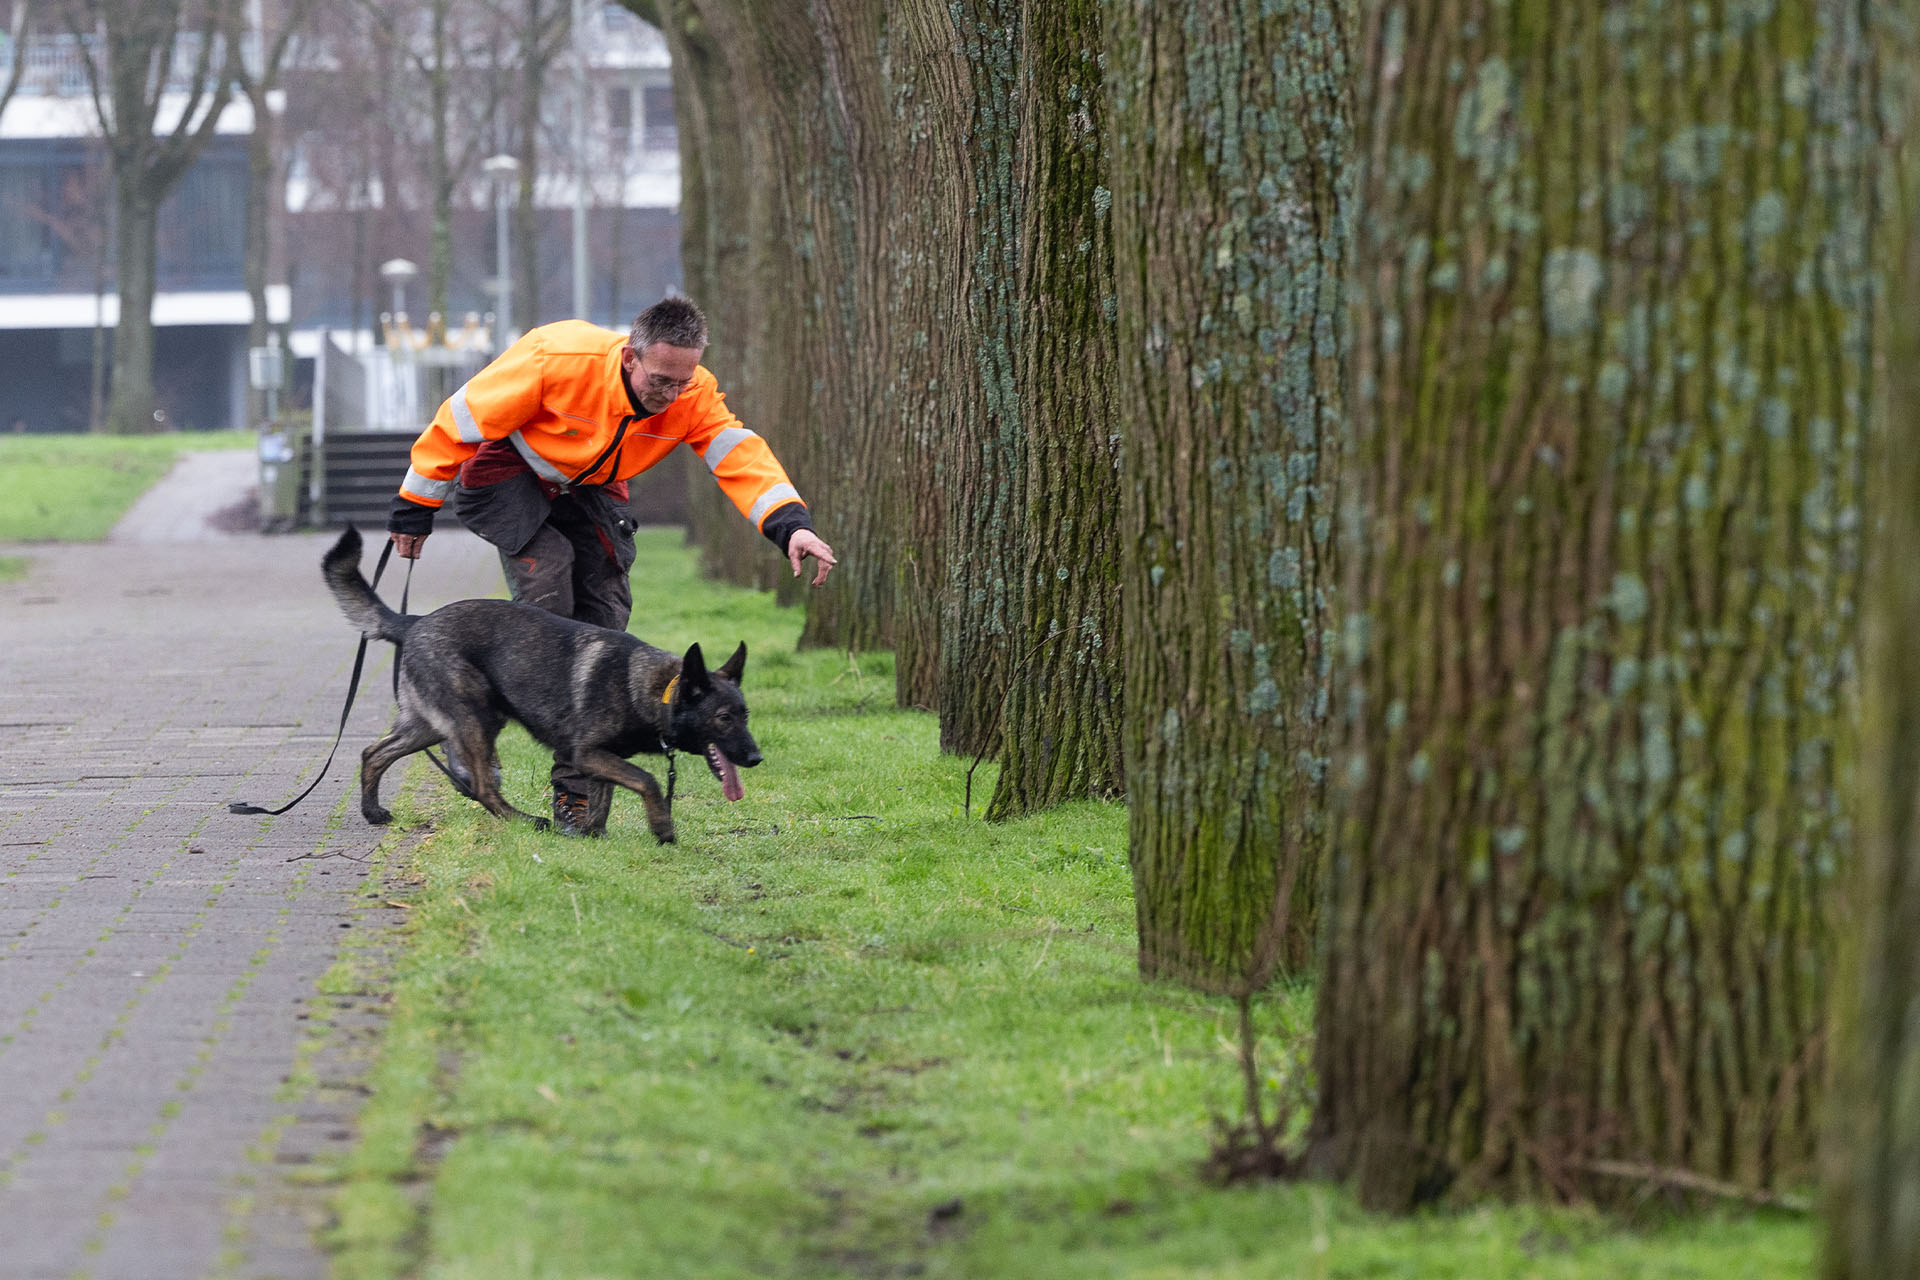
(74, 488)
(843, 1029)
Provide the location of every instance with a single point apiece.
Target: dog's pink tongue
(729, 777)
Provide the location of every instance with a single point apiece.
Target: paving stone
(157, 953)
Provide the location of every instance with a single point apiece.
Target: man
(538, 448)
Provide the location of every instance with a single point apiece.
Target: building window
(54, 212)
(203, 225)
(620, 110)
(657, 104)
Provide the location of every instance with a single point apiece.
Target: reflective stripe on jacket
(559, 397)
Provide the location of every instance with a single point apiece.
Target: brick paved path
(156, 952)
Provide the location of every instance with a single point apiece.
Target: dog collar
(668, 695)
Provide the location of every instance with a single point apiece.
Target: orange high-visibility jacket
(558, 396)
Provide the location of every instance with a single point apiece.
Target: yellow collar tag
(668, 695)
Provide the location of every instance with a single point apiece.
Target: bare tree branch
(17, 32)
(183, 145)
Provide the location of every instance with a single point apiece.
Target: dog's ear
(736, 664)
(693, 673)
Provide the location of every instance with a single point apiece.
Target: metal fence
(56, 64)
(367, 408)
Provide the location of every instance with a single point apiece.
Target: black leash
(353, 687)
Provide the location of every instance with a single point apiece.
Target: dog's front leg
(476, 755)
(605, 764)
(486, 791)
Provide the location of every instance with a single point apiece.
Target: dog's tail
(364, 609)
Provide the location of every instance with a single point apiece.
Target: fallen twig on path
(331, 853)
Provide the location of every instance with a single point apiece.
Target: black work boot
(599, 806)
(573, 813)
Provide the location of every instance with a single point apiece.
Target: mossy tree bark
(891, 282)
(790, 357)
(885, 151)
(1060, 735)
(1610, 362)
(938, 180)
(844, 177)
(983, 448)
(931, 386)
(1230, 210)
(713, 241)
(1871, 1166)
(728, 234)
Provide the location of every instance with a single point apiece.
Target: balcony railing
(56, 65)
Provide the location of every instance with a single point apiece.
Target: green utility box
(284, 458)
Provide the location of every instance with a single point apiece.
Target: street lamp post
(582, 304)
(501, 169)
(396, 272)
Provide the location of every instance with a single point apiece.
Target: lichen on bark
(1611, 366)
(1231, 209)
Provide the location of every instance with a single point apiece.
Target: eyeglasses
(658, 382)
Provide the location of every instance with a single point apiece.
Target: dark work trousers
(574, 563)
(574, 567)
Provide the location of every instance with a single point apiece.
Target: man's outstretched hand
(408, 544)
(805, 542)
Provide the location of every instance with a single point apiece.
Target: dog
(592, 695)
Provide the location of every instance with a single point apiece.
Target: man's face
(659, 374)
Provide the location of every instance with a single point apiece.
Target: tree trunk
(711, 200)
(932, 258)
(719, 98)
(525, 245)
(983, 441)
(97, 349)
(803, 344)
(130, 405)
(857, 183)
(881, 304)
(1611, 361)
(1871, 1162)
(535, 60)
(440, 176)
(1061, 736)
(261, 173)
(147, 165)
(1231, 158)
(264, 254)
(929, 219)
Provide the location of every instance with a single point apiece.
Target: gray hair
(674, 321)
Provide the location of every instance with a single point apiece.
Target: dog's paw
(543, 824)
(378, 817)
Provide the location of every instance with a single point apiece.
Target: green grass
(12, 568)
(74, 488)
(778, 1046)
